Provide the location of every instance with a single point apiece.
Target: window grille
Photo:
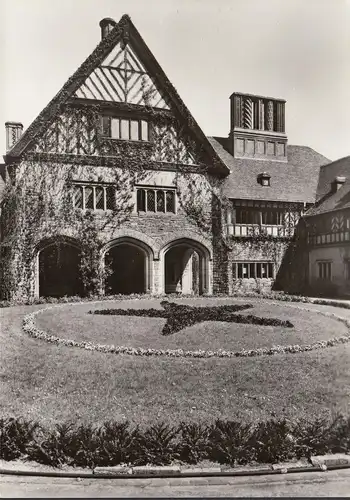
(93, 197)
(160, 201)
(246, 270)
(141, 200)
(255, 216)
(325, 270)
(155, 200)
(78, 197)
(89, 201)
(170, 201)
(99, 194)
(110, 198)
(125, 129)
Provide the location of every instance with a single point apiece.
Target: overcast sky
(293, 49)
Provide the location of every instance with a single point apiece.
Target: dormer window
(264, 179)
(124, 128)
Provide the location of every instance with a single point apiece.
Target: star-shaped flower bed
(181, 316)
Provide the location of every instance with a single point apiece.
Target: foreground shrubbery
(226, 442)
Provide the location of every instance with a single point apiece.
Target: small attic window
(264, 179)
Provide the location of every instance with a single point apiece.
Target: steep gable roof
(125, 31)
(294, 181)
(332, 201)
(328, 173)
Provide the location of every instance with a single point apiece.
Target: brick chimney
(338, 182)
(13, 133)
(106, 25)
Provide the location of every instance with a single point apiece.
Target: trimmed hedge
(226, 442)
(180, 316)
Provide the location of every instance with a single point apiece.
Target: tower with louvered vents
(258, 127)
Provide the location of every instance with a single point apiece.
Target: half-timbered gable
(328, 230)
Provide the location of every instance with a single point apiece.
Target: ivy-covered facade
(114, 188)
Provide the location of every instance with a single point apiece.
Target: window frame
(325, 270)
(252, 269)
(256, 217)
(94, 186)
(156, 197)
(106, 128)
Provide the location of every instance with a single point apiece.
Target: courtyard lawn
(53, 383)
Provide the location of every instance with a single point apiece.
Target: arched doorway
(186, 268)
(127, 266)
(59, 270)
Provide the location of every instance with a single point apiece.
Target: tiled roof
(338, 200)
(328, 173)
(293, 181)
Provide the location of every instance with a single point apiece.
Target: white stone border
(30, 328)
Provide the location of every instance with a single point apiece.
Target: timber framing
(125, 32)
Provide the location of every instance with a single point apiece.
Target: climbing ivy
(37, 202)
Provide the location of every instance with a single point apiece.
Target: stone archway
(58, 269)
(186, 267)
(128, 263)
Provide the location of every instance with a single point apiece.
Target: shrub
(16, 435)
(273, 441)
(230, 443)
(158, 445)
(320, 436)
(226, 442)
(118, 443)
(194, 442)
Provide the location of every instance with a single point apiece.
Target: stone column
(157, 278)
(187, 272)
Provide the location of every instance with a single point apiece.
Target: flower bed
(181, 316)
(29, 326)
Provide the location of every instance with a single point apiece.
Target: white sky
(294, 49)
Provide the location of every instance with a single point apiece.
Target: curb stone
(118, 469)
(155, 471)
(336, 461)
(330, 460)
(203, 470)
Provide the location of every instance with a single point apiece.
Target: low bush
(226, 442)
(16, 436)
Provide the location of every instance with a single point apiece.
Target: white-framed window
(155, 200)
(246, 270)
(126, 129)
(94, 196)
(324, 270)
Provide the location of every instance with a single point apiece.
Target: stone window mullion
(94, 197)
(104, 198)
(83, 197)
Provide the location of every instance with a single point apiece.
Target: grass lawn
(54, 383)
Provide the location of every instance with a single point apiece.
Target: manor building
(116, 189)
